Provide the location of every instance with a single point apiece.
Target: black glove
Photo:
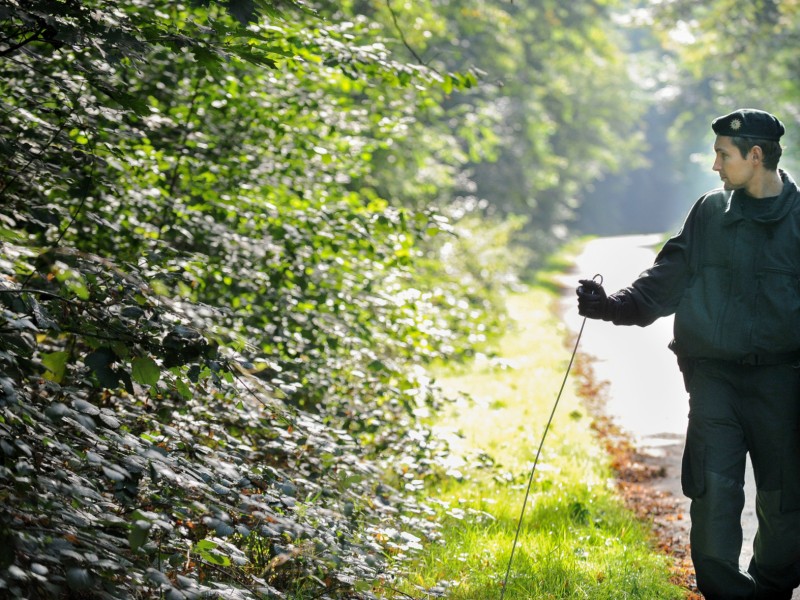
(593, 302)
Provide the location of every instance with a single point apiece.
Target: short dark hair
(771, 150)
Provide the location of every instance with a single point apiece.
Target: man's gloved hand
(593, 301)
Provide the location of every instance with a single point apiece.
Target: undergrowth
(577, 539)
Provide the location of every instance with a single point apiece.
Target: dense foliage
(734, 53)
(228, 249)
(553, 113)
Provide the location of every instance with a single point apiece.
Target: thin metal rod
(536, 460)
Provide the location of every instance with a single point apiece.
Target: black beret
(749, 123)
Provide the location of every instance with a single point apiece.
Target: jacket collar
(781, 207)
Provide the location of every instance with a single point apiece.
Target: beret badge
(736, 124)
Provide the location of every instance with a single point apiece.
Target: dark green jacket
(731, 276)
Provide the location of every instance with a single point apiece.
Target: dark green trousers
(736, 410)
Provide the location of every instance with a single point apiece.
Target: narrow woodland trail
(643, 390)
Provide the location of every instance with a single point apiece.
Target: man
(732, 278)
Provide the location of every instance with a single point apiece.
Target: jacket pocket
(776, 321)
(693, 480)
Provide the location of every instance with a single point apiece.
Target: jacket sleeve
(658, 290)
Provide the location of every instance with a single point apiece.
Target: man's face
(734, 169)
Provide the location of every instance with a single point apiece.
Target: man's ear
(756, 154)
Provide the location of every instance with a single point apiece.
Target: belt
(760, 360)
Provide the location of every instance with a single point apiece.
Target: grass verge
(577, 539)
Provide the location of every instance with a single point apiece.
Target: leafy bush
(176, 466)
(209, 328)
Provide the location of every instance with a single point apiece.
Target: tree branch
(13, 48)
(39, 292)
(402, 35)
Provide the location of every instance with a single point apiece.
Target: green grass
(577, 539)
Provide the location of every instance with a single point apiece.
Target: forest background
(236, 235)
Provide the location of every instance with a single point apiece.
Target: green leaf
(205, 548)
(56, 363)
(145, 370)
(9, 235)
(183, 389)
(138, 534)
(79, 579)
(205, 545)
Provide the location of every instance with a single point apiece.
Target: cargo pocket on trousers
(790, 474)
(693, 480)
